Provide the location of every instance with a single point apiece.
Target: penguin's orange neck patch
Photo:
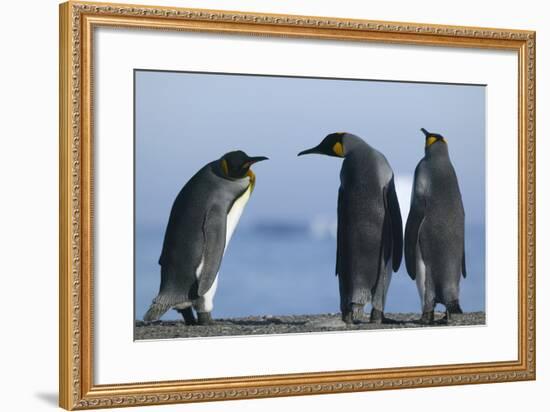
(252, 177)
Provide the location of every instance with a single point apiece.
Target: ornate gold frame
(76, 387)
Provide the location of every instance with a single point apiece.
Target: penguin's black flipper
(464, 263)
(214, 231)
(412, 228)
(392, 203)
(339, 231)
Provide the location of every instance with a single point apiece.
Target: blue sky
(185, 120)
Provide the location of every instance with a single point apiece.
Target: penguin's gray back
(438, 177)
(363, 176)
(440, 238)
(362, 211)
(200, 210)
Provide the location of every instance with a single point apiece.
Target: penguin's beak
(426, 133)
(313, 150)
(257, 159)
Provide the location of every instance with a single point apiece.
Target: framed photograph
(260, 205)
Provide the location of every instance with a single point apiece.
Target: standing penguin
(370, 231)
(434, 234)
(202, 220)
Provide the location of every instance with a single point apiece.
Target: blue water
(283, 269)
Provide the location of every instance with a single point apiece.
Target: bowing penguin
(202, 220)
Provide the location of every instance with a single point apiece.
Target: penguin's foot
(188, 316)
(427, 318)
(377, 317)
(353, 315)
(449, 317)
(453, 307)
(356, 313)
(205, 318)
(347, 317)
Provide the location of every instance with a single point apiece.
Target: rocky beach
(267, 325)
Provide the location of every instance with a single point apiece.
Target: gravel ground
(265, 325)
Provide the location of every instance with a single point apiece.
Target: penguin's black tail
(156, 310)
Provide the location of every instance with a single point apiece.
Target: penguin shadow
(386, 322)
(390, 322)
(437, 322)
(395, 322)
(443, 320)
(264, 322)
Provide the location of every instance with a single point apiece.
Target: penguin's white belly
(420, 276)
(235, 213)
(205, 303)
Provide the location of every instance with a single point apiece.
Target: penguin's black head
(332, 145)
(432, 138)
(236, 165)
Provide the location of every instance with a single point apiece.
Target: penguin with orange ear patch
(203, 218)
(434, 234)
(370, 237)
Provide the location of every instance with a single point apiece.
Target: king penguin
(434, 233)
(202, 220)
(370, 231)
